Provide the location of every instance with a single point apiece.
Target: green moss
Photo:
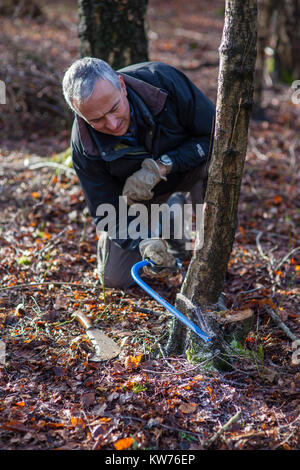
(24, 260)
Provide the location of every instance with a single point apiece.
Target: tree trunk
(266, 9)
(21, 8)
(278, 28)
(206, 274)
(113, 30)
(287, 38)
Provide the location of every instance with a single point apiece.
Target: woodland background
(51, 395)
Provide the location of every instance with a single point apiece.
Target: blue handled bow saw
(135, 274)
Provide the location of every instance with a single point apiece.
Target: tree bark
(278, 28)
(287, 41)
(113, 30)
(206, 274)
(266, 9)
(21, 8)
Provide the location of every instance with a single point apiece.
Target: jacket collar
(152, 96)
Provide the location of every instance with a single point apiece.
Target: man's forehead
(104, 88)
(104, 97)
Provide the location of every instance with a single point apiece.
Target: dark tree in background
(20, 8)
(278, 29)
(113, 30)
(287, 41)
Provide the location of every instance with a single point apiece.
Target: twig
(268, 234)
(36, 166)
(159, 425)
(182, 372)
(148, 310)
(49, 244)
(227, 425)
(170, 373)
(65, 322)
(57, 283)
(164, 357)
(260, 250)
(289, 436)
(280, 323)
(285, 258)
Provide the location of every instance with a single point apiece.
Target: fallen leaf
(15, 425)
(60, 303)
(59, 371)
(77, 421)
(124, 443)
(277, 199)
(132, 362)
(113, 396)
(88, 399)
(286, 446)
(187, 408)
(99, 429)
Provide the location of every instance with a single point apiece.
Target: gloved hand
(156, 250)
(138, 187)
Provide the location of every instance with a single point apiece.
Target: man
(142, 133)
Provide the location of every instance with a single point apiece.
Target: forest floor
(52, 396)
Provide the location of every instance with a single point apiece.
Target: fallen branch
(280, 323)
(55, 283)
(36, 166)
(147, 310)
(198, 366)
(158, 425)
(261, 252)
(52, 241)
(227, 425)
(285, 258)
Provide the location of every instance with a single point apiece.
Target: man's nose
(111, 122)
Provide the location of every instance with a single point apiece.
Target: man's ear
(123, 84)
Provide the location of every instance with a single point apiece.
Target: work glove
(138, 187)
(156, 249)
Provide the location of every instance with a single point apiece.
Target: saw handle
(83, 320)
(135, 274)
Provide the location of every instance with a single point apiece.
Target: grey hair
(81, 77)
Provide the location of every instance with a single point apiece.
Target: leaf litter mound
(52, 396)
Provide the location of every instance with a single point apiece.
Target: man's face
(107, 110)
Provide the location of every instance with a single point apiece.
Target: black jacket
(172, 116)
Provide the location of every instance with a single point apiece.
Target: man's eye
(97, 120)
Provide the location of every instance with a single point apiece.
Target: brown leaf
(113, 396)
(132, 362)
(60, 303)
(15, 425)
(187, 408)
(88, 399)
(99, 429)
(59, 371)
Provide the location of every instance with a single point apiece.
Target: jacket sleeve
(196, 113)
(102, 191)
